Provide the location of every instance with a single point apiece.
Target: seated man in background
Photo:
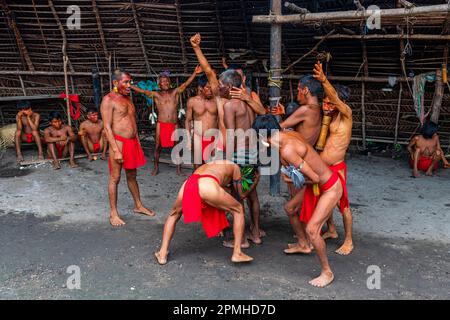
(27, 129)
(425, 151)
(60, 139)
(91, 135)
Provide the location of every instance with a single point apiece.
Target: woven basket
(7, 134)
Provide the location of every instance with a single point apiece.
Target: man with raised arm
(166, 100)
(119, 118)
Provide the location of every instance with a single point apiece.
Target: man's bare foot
(416, 174)
(429, 173)
(116, 221)
(103, 157)
(240, 257)
(220, 235)
(230, 244)
(73, 164)
(91, 158)
(345, 249)
(253, 238)
(330, 234)
(262, 233)
(323, 280)
(155, 172)
(179, 172)
(19, 159)
(297, 248)
(40, 157)
(145, 211)
(161, 260)
(56, 165)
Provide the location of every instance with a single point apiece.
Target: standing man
(166, 101)
(60, 140)
(333, 154)
(201, 115)
(233, 114)
(295, 151)
(27, 129)
(118, 114)
(92, 135)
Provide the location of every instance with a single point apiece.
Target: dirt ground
(50, 220)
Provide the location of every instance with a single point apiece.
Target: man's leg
(347, 246)
(169, 228)
(104, 147)
(219, 198)
(157, 151)
(114, 179)
(37, 139)
(292, 209)
(134, 189)
(326, 204)
(254, 207)
(331, 232)
(416, 161)
(436, 158)
(87, 147)
(51, 150)
(72, 162)
(18, 140)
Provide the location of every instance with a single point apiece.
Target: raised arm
(189, 118)
(330, 92)
(212, 77)
(196, 72)
(294, 119)
(106, 110)
(148, 93)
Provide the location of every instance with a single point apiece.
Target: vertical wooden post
(110, 72)
(397, 118)
(437, 99)
(22, 85)
(275, 75)
(363, 87)
(66, 82)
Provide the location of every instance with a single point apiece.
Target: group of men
(317, 179)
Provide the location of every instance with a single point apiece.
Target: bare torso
(26, 128)
(167, 105)
(123, 115)
(427, 146)
(93, 130)
(309, 129)
(243, 117)
(204, 111)
(338, 140)
(294, 142)
(221, 169)
(63, 133)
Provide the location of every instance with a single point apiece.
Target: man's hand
(196, 40)
(241, 94)
(118, 157)
(198, 70)
(286, 179)
(318, 73)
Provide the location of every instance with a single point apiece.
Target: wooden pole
(350, 16)
(363, 88)
(431, 37)
(22, 85)
(397, 118)
(275, 77)
(66, 83)
(437, 99)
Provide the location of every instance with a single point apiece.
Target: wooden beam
(100, 28)
(37, 97)
(20, 43)
(63, 33)
(141, 39)
(339, 78)
(79, 73)
(184, 60)
(33, 162)
(275, 78)
(431, 37)
(349, 16)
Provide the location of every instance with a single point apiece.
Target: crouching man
(203, 198)
(27, 129)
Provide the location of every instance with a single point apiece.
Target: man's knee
(437, 155)
(290, 210)
(131, 174)
(18, 133)
(114, 178)
(312, 230)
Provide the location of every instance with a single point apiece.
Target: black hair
(290, 108)
(231, 77)
(343, 92)
(202, 81)
(429, 129)
(92, 109)
(314, 86)
(25, 104)
(267, 123)
(118, 73)
(54, 115)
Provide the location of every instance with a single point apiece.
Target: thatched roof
(146, 37)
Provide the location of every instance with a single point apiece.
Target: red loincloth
(310, 200)
(194, 209)
(166, 130)
(343, 203)
(96, 147)
(206, 141)
(132, 154)
(29, 137)
(59, 149)
(424, 163)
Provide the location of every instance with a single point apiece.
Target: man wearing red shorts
(91, 135)
(166, 101)
(118, 114)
